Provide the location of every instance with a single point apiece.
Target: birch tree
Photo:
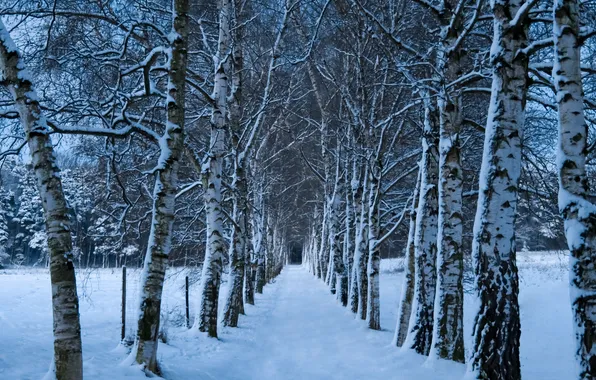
(341, 278)
(357, 190)
(419, 335)
(578, 212)
(164, 194)
(361, 256)
(373, 309)
(243, 141)
(206, 320)
(68, 360)
(234, 300)
(448, 329)
(497, 322)
(407, 294)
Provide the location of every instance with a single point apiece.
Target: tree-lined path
(298, 331)
(204, 146)
(295, 330)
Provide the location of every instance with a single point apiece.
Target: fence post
(187, 309)
(123, 332)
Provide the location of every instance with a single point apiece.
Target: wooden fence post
(187, 308)
(123, 332)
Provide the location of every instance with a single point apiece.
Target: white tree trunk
(407, 293)
(249, 273)
(373, 308)
(234, 299)
(419, 335)
(206, 320)
(261, 276)
(357, 207)
(361, 257)
(324, 245)
(258, 242)
(272, 237)
(331, 267)
(315, 251)
(164, 197)
(341, 278)
(68, 362)
(579, 213)
(497, 322)
(448, 329)
(349, 236)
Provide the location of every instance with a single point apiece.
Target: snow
(296, 330)
(6, 39)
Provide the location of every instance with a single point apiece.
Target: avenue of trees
(223, 134)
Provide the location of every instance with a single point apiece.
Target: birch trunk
(313, 249)
(269, 257)
(206, 320)
(349, 238)
(261, 279)
(249, 282)
(448, 329)
(354, 288)
(419, 335)
(164, 197)
(234, 300)
(323, 247)
(577, 211)
(373, 309)
(315, 256)
(407, 294)
(249, 268)
(497, 323)
(258, 242)
(68, 363)
(331, 268)
(319, 252)
(362, 262)
(341, 279)
(324, 261)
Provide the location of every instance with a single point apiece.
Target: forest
(420, 170)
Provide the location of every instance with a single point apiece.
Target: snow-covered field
(296, 330)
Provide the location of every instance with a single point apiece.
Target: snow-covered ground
(547, 343)
(296, 331)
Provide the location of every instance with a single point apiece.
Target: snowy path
(297, 331)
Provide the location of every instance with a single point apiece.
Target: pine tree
(29, 246)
